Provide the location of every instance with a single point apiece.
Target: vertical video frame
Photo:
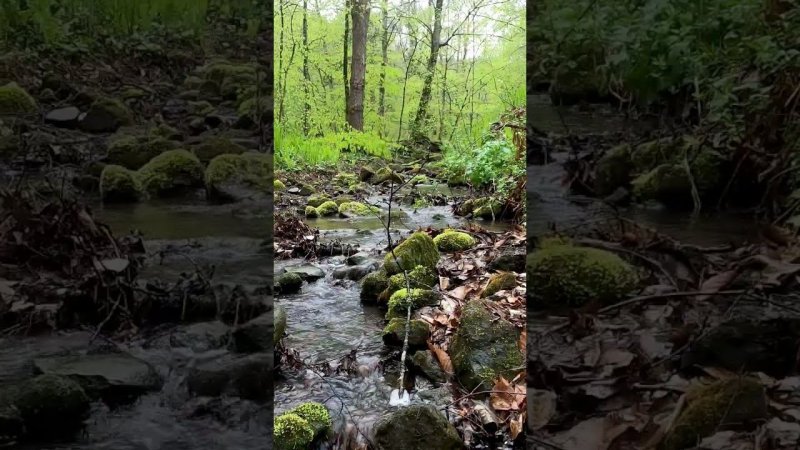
(136, 195)
(663, 220)
(399, 224)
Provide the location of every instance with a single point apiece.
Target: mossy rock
(417, 250)
(171, 172)
(487, 208)
(292, 432)
(613, 170)
(317, 416)
(344, 199)
(454, 241)
(420, 278)
(119, 184)
(394, 332)
(419, 179)
(132, 93)
(667, 183)
(499, 282)
(16, 101)
(219, 70)
(316, 200)
(288, 283)
(386, 175)
(236, 177)
(212, 147)
(278, 185)
(106, 114)
(483, 348)
(280, 324)
(372, 285)
(570, 276)
(357, 209)
(51, 406)
(650, 154)
(134, 151)
(328, 208)
(400, 301)
(345, 179)
(199, 108)
(722, 404)
(416, 427)
(311, 212)
(457, 180)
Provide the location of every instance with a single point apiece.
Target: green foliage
(15, 100)
(294, 150)
(493, 165)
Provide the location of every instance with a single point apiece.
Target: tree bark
(425, 97)
(384, 59)
(358, 69)
(345, 59)
(306, 75)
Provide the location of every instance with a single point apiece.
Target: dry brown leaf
(516, 425)
(459, 293)
(443, 357)
(717, 283)
(506, 396)
(444, 283)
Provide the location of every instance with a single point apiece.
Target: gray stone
(354, 273)
(248, 377)
(308, 272)
(66, 117)
(256, 335)
(510, 259)
(424, 362)
(416, 427)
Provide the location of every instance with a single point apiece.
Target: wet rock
(748, 344)
(239, 177)
(365, 174)
(453, 241)
(620, 197)
(499, 282)
(119, 185)
(419, 278)
(308, 272)
(280, 324)
(66, 117)
(288, 283)
(372, 285)
(170, 173)
(394, 333)
(212, 147)
(318, 199)
(416, 298)
(417, 250)
(357, 259)
(114, 377)
(354, 273)
(430, 430)
(725, 403)
(328, 208)
(424, 362)
(613, 170)
(357, 209)
(483, 348)
(135, 150)
(202, 336)
(510, 259)
(105, 115)
(50, 406)
(248, 377)
(15, 101)
(256, 335)
(386, 175)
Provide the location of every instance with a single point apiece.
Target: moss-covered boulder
(317, 416)
(134, 151)
(416, 427)
(563, 275)
(613, 170)
(417, 250)
(51, 406)
(483, 348)
(732, 402)
(316, 200)
(278, 185)
(395, 331)
(311, 212)
(106, 114)
(238, 177)
(421, 277)
(172, 172)
(416, 298)
(292, 432)
(386, 175)
(357, 209)
(212, 147)
(345, 179)
(372, 285)
(454, 241)
(288, 283)
(499, 282)
(648, 155)
(328, 208)
(487, 208)
(16, 101)
(279, 316)
(118, 184)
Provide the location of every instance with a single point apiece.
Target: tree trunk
(425, 97)
(384, 61)
(405, 84)
(306, 75)
(358, 70)
(345, 59)
(281, 92)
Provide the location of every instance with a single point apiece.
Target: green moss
(417, 250)
(316, 414)
(113, 108)
(395, 330)
(15, 101)
(613, 170)
(668, 183)
(420, 278)
(51, 405)
(118, 184)
(278, 185)
(386, 175)
(651, 154)
(316, 200)
(171, 172)
(350, 209)
(288, 283)
(199, 108)
(419, 179)
(565, 275)
(400, 301)
(134, 151)
(215, 146)
(484, 348)
(250, 170)
(292, 432)
(219, 70)
(311, 212)
(487, 208)
(345, 179)
(499, 282)
(724, 403)
(453, 241)
(279, 318)
(329, 208)
(372, 285)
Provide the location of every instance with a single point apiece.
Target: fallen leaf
(443, 357)
(717, 283)
(516, 424)
(444, 283)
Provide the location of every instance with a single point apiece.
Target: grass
(293, 151)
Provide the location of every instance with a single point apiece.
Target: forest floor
(351, 248)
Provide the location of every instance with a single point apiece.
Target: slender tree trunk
(405, 84)
(384, 62)
(306, 75)
(281, 93)
(358, 70)
(425, 97)
(345, 59)
(444, 97)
